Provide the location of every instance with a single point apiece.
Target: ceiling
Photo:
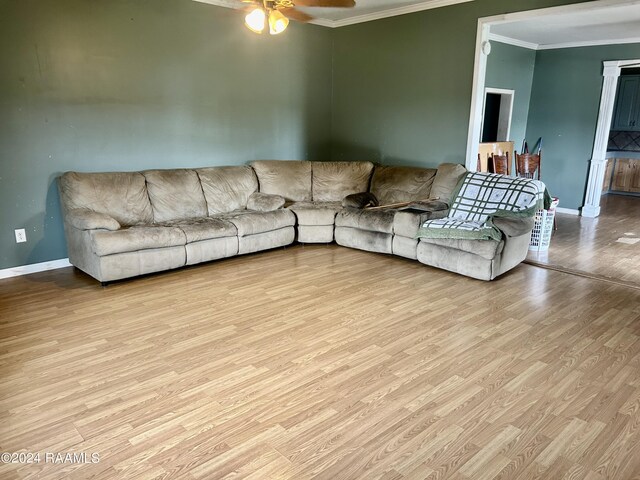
(597, 24)
(364, 11)
(589, 23)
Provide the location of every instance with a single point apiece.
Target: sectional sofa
(123, 224)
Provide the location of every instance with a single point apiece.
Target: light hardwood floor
(322, 362)
(592, 245)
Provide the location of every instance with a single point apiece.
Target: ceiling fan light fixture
(277, 22)
(255, 21)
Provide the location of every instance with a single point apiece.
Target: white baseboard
(568, 211)
(34, 268)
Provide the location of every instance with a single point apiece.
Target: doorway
(598, 163)
(605, 244)
(581, 15)
(498, 111)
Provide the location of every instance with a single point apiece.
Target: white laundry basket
(543, 228)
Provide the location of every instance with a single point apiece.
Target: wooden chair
(529, 165)
(484, 162)
(500, 164)
(486, 150)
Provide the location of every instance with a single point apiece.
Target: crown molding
(431, 4)
(513, 41)
(322, 22)
(369, 17)
(394, 12)
(558, 10)
(593, 43)
(621, 63)
(222, 3)
(554, 46)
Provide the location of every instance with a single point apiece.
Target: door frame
(483, 49)
(503, 92)
(598, 162)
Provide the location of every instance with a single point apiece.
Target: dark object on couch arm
(360, 200)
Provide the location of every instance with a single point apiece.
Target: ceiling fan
(277, 13)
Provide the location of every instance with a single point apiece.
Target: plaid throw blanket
(482, 196)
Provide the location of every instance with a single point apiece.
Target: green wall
(512, 68)
(565, 101)
(402, 85)
(401, 92)
(100, 85)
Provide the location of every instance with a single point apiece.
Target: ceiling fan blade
(326, 3)
(297, 15)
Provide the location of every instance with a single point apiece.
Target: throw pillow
(264, 202)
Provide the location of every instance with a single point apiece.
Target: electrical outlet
(21, 235)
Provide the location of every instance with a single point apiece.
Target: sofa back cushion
(332, 181)
(227, 188)
(392, 184)
(175, 195)
(446, 180)
(289, 179)
(121, 195)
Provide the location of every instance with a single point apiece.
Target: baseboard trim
(568, 211)
(34, 268)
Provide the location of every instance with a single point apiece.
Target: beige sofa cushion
(315, 233)
(227, 188)
(122, 196)
(332, 181)
(199, 229)
(483, 248)
(371, 220)
(315, 213)
(407, 224)
(368, 240)
(175, 195)
(132, 239)
(446, 180)
(85, 219)
(265, 202)
(252, 223)
(392, 184)
(290, 179)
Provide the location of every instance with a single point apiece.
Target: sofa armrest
(514, 227)
(360, 200)
(430, 209)
(435, 215)
(85, 219)
(265, 202)
(428, 205)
